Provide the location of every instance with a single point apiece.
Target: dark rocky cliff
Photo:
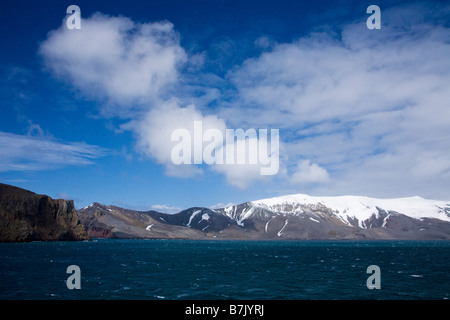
(27, 216)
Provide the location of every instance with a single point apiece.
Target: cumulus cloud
(132, 67)
(154, 134)
(255, 157)
(307, 172)
(370, 106)
(125, 63)
(240, 175)
(319, 78)
(185, 142)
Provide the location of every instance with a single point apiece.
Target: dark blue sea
(189, 270)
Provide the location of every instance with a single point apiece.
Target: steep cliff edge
(27, 216)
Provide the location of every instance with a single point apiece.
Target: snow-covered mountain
(288, 217)
(349, 209)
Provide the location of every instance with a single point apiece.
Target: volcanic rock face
(26, 216)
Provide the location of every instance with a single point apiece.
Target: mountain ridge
(27, 216)
(362, 207)
(296, 216)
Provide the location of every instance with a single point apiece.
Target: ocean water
(186, 270)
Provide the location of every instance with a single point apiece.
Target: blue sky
(87, 114)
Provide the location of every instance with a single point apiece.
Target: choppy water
(181, 269)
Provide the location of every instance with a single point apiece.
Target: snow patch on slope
(281, 230)
(315, 220)
(193, 216)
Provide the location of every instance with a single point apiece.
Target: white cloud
(221, 205)
(307, 172)
(126, 63)
(29, 153)
(240, 175)
(370, 106)
(154, 132)
(155, 129)
(132, 67)
(35, 129)
(261, 169)
(165, 208)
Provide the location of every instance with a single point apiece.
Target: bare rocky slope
(27, 216)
